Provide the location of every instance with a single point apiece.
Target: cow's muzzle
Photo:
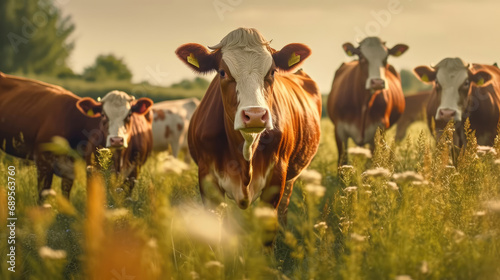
(116, 142)
(377, 84)
(255, 119)
(446, 115)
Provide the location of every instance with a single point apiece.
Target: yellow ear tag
(398, 53)
(424, 78)
(193, 61)
(480, 82)
(294, 59)
(90, 113)
(349, 53)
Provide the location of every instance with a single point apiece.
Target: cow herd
(258, 124)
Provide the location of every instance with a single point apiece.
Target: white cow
(170, 125)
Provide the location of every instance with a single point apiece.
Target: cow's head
(452, 80)
(246, 66)
(115, 110)
(373, 55)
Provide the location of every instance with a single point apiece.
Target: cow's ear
(198, 58)
(291, 56)
(398, 50)
(89, 107)
(480, 78)
(350, 50)
(425, 74)
(142, 105)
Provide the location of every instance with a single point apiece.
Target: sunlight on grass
(406, 212)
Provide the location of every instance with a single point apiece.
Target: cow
(415, 108)
(462, 91)
(366, 94)
(258, 125)
(33, 112)
(133, 140)
(170, 125)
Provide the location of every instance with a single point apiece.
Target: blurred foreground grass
(411, 215)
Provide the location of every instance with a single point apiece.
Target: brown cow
(136, 132)
(415, 108)
(32, 112)
(461, 91)
(257, 127)
(366, 94)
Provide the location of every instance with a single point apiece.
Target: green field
(445, 225)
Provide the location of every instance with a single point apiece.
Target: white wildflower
(215, 264)
(392, 186)
(311, 176)
(403, 277)
(116, 214)
(378, 172)
(345, 168)
(359, 238)
(316, 190)
(47, 206)
(485, 150)
(49, 253)
(351, 189)
(493, 206)
(359, 151)
(264, 212)
(407, 176)
(321, 226)
(49, 192)
(424, 268)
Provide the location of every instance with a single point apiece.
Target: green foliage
(421, 218)
(410, 83)
(197, 83)
(107, 67)
(34, 37)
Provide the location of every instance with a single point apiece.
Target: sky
(146, 33)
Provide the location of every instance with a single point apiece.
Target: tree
(107, 67)
(34, 37)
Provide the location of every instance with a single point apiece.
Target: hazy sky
(147, 32)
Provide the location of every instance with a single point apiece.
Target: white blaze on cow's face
(452, 82)
(249, 66)
(375, 53)
(117, 110)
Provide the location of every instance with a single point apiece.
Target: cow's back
(32, 112)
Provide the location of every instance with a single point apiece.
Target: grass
(436, 221)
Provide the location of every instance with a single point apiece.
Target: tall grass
(407, 212)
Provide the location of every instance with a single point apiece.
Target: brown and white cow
(170, 125)
(462, 91)
(366, 94)
(32, 113)
(257, 127)
(415, 108)
(130, 135)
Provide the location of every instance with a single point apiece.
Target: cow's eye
(466, 83)
(222, 73)
(272, 72)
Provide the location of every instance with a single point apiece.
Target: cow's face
(246, 67)
(115, 111)
(452, 80)
(373, 55)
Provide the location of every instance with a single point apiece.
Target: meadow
(406, 212)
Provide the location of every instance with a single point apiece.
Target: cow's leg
(187, 155)
(66, 185)
(285, 200)
(341, 148)
(211, 193)
(44, 176)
